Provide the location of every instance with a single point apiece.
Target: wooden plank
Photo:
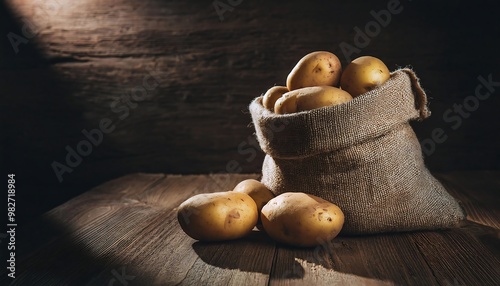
(457, 258)
(471, 254)
(241, 262)
(132, 227)
(128, 227)
(75, 214)
(171, 256)
(76, 238)
(390, 259)
(406, 258)
(479, 196)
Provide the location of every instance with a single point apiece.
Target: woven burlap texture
(362, 155)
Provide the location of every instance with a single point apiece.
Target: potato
(315, 69)
(309, 98)
(286, 104)
(301, 219)
(364, 74)
(257, 191)
(272, 95)
(320, 96)
(218, 216)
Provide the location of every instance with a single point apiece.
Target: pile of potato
(317, 80)
(297, 219)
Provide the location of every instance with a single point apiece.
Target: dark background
(76, 59)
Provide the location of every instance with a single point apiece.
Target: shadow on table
(254, 253)
(260, 254)
(487, 235)
(47, 253)
(394, 258)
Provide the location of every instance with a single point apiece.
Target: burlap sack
(362, 156)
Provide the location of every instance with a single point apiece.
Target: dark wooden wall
(78, 62)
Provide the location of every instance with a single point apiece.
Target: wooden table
(125, 232)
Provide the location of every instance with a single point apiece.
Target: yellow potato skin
(272, 95)
(286, 104)
(301, 219)
(315, 69)
(309, 98)
(257, 191)
(218, 216)
(321, 96)
(364, 74)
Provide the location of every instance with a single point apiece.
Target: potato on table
(257, 191)
(301, 219)
(218, 216)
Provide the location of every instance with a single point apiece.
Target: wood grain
(129, 227)
(457, 258)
